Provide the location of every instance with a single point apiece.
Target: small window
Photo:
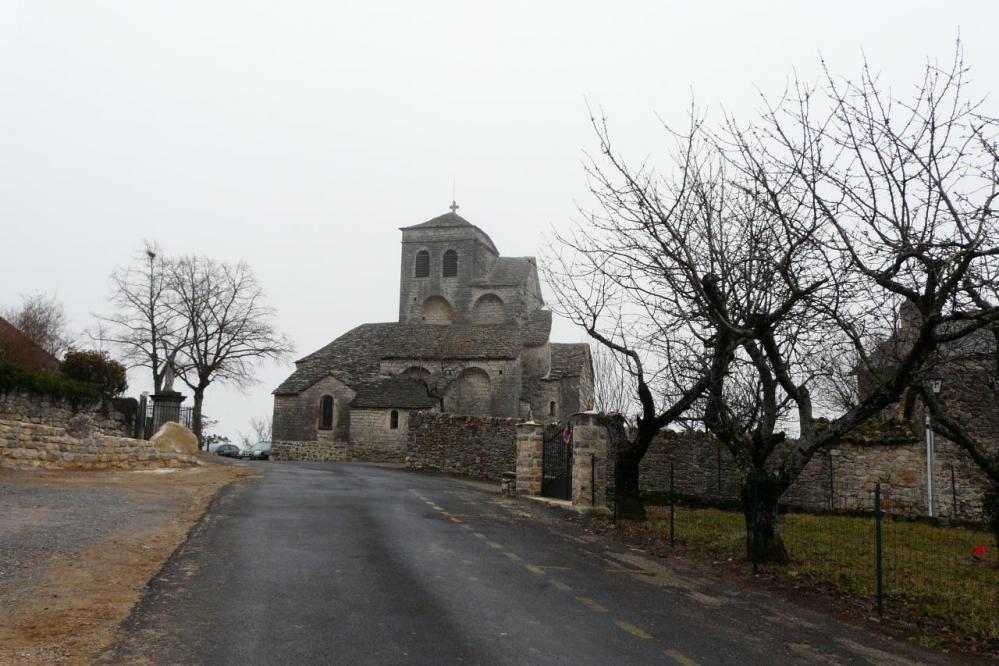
(422, 264)
(551, 408)
(326, 413)
(394, 420)
(450, 267)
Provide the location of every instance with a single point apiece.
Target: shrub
(97, 369)
(47, 385)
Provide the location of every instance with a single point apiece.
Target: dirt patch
(66, 597)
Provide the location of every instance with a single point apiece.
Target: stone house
(472, 338)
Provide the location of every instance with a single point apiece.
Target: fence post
(752, 523)
(953, 493)
(672, 509)
(877, 549)
(832, 504)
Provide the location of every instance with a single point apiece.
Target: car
(259, 451)
(228, 450)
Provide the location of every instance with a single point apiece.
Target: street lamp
(933, 384)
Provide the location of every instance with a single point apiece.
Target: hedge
(47, 385)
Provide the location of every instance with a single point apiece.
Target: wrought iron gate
(556, 462)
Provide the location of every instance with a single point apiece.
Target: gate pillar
(589, 462)
(530, 446)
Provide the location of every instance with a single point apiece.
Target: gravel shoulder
(77, 549)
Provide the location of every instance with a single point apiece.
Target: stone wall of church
(372, 438)
(472, 446)
(296, 417)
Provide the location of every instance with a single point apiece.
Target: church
(472, 338)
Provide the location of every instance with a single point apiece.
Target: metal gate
(556, 462)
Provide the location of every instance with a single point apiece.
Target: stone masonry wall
(473, 446)
(35, 445)
(842, 478)
(372, 438)
(26, 408)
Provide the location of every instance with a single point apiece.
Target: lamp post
(933, 384)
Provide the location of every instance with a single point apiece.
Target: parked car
(259, 451)
(228, 450)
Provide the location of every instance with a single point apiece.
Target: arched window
(394, 420)
(450, 266)
(551, 408)
(326, 413)
(422, 264)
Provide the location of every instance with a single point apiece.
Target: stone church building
(472, 338)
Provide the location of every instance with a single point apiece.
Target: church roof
(507, 272)
(568, 359)
(399, 392)
(453, 221)
(354, 358)
(443, 221)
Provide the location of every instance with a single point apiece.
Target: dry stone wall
(36, 445)
(24, 408)
(473, 446)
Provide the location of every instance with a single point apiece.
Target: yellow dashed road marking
(493, 544)
(439, 508)
(633, 630)
(591, 604)
(562, 586)
(513, 556)
(479, 535)
(537, 571)
(454, 520)
(680, 658)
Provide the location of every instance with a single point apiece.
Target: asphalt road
(353, 564)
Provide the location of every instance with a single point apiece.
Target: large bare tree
(230, 328)
(737, 277)
(145, 327)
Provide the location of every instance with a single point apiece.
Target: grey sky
(300, 136)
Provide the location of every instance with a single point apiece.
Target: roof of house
(354, 358)
(20, 350)
(399, 392)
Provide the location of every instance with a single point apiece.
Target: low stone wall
(318, 451)
(34, 445)
(26, 408)
(473, 446)
(842, 478)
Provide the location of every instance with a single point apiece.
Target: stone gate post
(530, 445)
(589, 462)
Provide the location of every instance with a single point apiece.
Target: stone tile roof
(507, 272)
(537, 328)
(568, 359)
(443, 221)
(399, 392)
(354, 358)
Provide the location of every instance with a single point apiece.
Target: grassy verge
(933, 572)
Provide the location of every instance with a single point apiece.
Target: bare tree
(736, 280)
(229, 327)
(613, 383)
(145, 327)
(262, 428)
(43, 319)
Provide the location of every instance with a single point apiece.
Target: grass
(929, 571)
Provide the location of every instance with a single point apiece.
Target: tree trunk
(760, 495)
(626, 488)
(199, 400)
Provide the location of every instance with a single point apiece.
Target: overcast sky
(300, 136)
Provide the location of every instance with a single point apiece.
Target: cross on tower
(454, 207)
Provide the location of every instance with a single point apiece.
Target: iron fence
(941, 570)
